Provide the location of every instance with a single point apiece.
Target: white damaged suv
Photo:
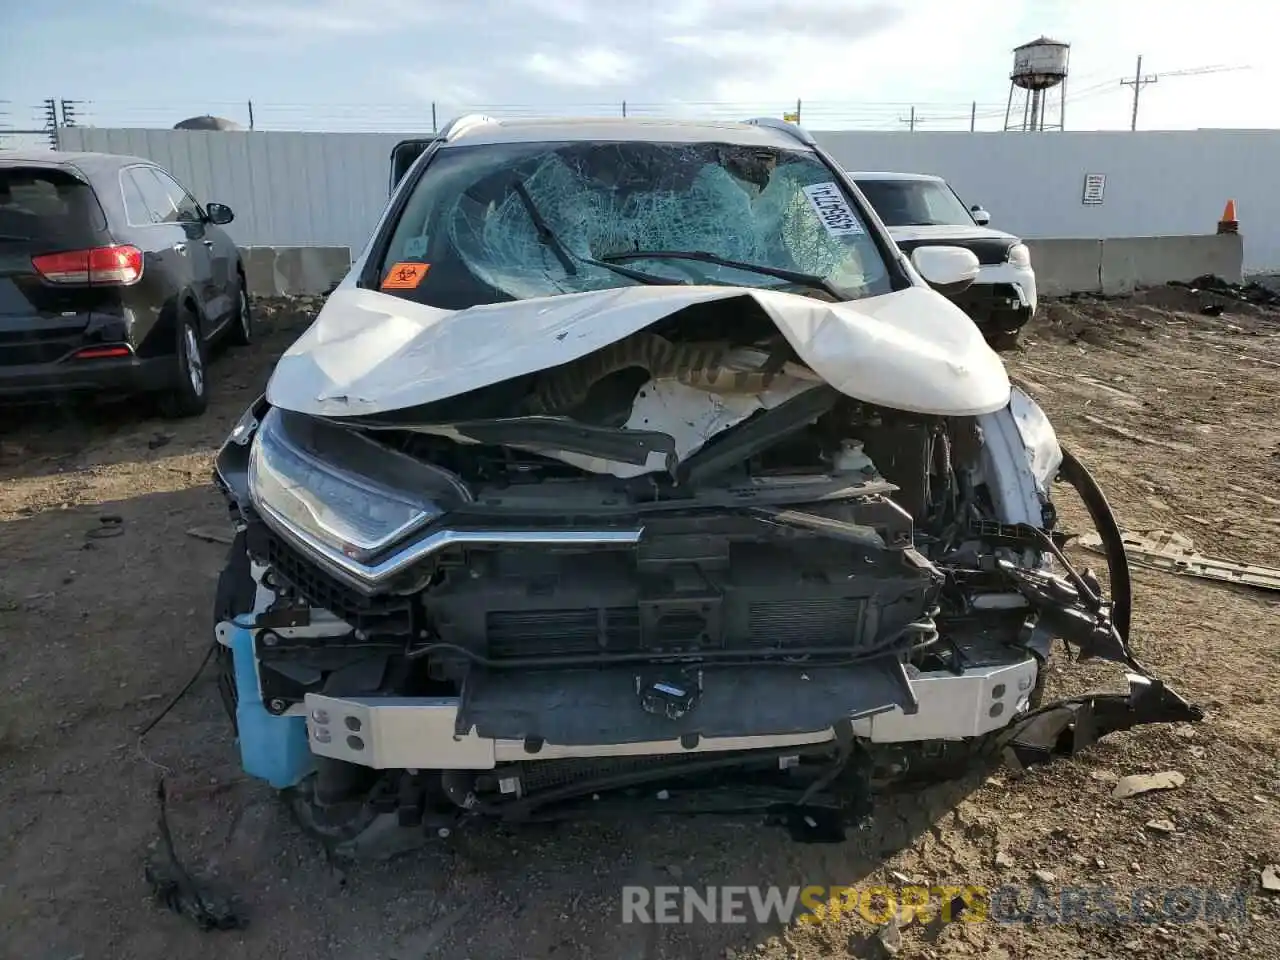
(633, 466)
(923, 210)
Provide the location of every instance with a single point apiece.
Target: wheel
(241, 332)
(1003, 339)
(190, 394)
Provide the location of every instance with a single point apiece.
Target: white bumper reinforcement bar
(417, 733)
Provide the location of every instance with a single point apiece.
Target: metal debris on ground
(1139, 783)
(1251, 292)
(1175, 553)
(210, 534)
(890, 937)
(1271, 878)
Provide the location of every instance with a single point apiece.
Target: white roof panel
(472, 130)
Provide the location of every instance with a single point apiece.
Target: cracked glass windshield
(497, 222)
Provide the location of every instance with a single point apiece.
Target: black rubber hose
(459, 786)
(1104, 521)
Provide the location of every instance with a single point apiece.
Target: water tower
(1039, 75)
(207, 122)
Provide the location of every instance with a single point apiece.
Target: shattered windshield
(497, 222)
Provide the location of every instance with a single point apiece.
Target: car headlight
(338, 489)
(1019, 255)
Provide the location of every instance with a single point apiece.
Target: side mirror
(218, 213)
(403, 156)
(948, 270)
(980, 216)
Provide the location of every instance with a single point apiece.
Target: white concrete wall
(329, 188)
(272, 271)
(287, 189)
(1118, 265)
(1159, 183)
(1122, 264)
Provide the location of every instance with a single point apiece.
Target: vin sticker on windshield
(833, 210)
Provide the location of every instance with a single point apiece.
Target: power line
(420, 116)
(1138, 82)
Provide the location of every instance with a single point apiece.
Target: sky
(382, 64)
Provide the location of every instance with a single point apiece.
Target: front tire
(189, 396)
(241, 333)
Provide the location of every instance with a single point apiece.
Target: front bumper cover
(1065, 727)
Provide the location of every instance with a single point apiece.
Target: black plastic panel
(380, 614)
(578, 707)
(783, 590)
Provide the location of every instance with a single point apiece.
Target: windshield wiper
(14, 236)
(566, 257)
(545, 233)
(811, 280)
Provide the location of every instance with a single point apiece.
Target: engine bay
(825, 531)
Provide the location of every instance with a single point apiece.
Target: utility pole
(1138, 82)
(250, 115)
(973, 116)
(69, 112)
(910, 121)
(51, 121)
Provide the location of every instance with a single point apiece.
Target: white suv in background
(920, 210)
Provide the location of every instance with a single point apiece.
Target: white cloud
(860, 62)
(448, 89)
(285, 19)
(587, 67)
(318, 18)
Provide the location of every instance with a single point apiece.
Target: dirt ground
(1174, 411)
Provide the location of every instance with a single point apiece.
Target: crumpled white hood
(369, 352)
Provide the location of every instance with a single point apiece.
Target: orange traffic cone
(1229, 223)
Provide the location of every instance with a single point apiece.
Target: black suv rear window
(48, 205)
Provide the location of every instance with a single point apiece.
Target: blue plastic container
(274, 749)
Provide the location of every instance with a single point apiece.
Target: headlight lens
(326, 500)
(1019, 255)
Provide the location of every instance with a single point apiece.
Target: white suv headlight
(1019, 255)
(359, 499)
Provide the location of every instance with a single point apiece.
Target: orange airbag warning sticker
(405, 275)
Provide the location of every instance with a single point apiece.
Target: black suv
(113, 279)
